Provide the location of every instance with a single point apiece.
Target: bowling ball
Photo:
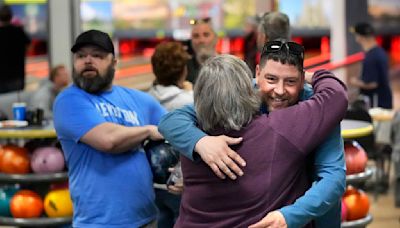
(357, 203)
(47, 160)
(58, 203)
(356, 158)
(14, 160)
(6, 193)
(344, 211)
(26, 204)
(161, 156)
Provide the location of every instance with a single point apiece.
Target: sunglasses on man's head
(201, 20)
(276, 46)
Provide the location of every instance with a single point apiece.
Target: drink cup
(19, 110)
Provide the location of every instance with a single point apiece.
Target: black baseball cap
(363, 29)
(94, 37)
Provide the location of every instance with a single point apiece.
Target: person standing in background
(250, 43)
(13, 45)
(203, 41)
(173, 91)
(44, 96)
(169, 66)
(374, 80)
(272, 26)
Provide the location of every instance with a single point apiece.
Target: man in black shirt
(13, 44)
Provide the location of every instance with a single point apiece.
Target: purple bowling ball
(47, 160)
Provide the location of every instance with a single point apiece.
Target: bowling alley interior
(34, 174)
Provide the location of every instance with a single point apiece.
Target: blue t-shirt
(107, 190)
(375, 68)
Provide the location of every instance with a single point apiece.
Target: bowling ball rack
(39, 183)
(360, 177)
(32, 178)
(357, 223)
(34, 222)
(355, 179)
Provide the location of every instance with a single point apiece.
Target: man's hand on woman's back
(216, 153)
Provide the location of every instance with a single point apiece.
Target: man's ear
(257, 73)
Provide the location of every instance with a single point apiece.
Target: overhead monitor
(163, 18)
(30, 14)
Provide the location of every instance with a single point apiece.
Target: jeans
(168, 204)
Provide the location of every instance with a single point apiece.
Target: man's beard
(203, 53)
(94, 84)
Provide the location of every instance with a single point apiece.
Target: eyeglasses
(201, 20)
(276, 46)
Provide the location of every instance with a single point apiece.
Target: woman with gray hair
(275, 145)
(229, 78)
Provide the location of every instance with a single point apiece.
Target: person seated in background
(170, 87)
(203, 41)
(275, 146)
(45, 95)
(173, 91)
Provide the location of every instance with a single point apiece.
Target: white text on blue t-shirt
(107, 109)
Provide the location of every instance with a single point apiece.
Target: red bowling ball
(26, 204)
(47, 160)
(14, 160)
(356, 158)
(357, 203)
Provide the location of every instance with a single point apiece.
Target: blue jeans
(168, 204)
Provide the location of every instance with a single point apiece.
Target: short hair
(363, 29)
(54, 71)
(5, 13)
(275, 25)
(224, 96)
(168, 62)
(283, 56)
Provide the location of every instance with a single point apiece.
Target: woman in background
(173, 91)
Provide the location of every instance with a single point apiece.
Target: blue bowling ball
(6, 193)
(161, 156)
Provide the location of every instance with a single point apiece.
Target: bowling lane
(133, 72)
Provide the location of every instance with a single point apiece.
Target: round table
(355, 128)
(29, 132)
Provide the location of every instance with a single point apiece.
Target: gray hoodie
(171, 97)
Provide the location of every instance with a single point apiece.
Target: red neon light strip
(316, 59)
(347, 61)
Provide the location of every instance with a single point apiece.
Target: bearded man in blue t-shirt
(101, 127)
